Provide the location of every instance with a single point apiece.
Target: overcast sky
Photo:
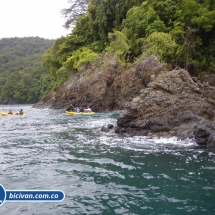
(27, 18)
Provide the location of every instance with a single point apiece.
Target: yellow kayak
(77, 113)
(7, 114)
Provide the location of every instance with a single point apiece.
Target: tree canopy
(181, 33)
(23, 78)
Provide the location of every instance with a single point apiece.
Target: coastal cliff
(105, 86)
(155, 102)
(173, 104)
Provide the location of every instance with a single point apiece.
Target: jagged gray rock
(156, 102)
(173, 104)
(106, 86)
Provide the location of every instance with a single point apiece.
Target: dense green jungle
(181, 33)
(23, 78)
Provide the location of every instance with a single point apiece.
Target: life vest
(10, 112)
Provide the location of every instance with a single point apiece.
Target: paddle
(71, 106)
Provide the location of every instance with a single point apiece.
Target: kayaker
(21, 112)
(77, 109)
(88, 109)
(10, 111)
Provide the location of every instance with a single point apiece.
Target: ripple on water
(102, 173)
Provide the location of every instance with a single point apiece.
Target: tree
(79, 58)
(77, 8)
(21, 70)
(162, 45)
(119, 44)
(180, 32)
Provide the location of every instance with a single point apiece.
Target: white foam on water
(146, 144)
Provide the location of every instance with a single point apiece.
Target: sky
(31, 18)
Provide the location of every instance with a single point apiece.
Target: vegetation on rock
(180, 33)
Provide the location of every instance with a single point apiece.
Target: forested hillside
(23, 78)
(179, 33)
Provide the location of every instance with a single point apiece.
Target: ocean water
(101, 173)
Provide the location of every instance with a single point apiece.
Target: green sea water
(101, 173)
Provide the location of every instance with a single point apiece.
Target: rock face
(209, 78)
(156, 102)
(173, 104)
(105, 86)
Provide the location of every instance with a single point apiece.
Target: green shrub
(80, 58)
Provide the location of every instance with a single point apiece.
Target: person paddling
(20, 112)
(88, 109)
(10, 111)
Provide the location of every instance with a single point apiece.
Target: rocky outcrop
(105, 86)
(108, 128)
(173, 104)
(156, 102)
(208, 79)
